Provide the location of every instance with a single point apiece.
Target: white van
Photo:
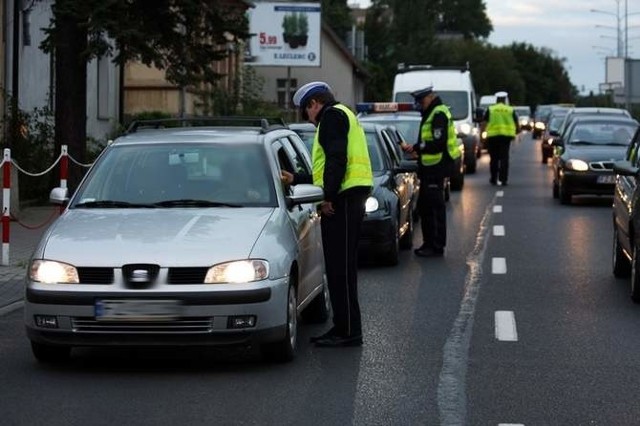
(455, 88)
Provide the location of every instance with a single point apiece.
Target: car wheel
(391, 257)
(555, 190)
(317, 312)
(621, 264)
(406, 242)
(563, 193)
(635, 275)
(471, 166)
(50, 354)
(284, 350)
(457, 181)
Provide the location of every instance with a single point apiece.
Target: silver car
(182, 236)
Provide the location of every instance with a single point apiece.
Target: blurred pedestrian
(341, 166)
(501, 124)
(436, 150)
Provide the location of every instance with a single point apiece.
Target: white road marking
(506, 326)
(497, 209)
(500, 194)
(498, 265)
(510, 424)
(498, 230)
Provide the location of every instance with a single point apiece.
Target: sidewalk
(24, 236)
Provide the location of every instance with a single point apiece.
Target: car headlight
(464, 128)
(371, 205)
(241, 271)
(523, 122)
(540, 125)
(577, 165)
(52, 272)
(483, 135)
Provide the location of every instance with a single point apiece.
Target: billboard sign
(284, 34)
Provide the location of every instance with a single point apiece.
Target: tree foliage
(338, 15)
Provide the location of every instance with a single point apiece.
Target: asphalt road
(522, 322)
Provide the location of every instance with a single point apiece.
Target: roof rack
(265, 124)
(402, 67)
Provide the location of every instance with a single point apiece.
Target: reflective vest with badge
(426, 136)
(358, 171)
(501, 121)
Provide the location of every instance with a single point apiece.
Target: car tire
(318, 311)
(406, 241)
(457, 182)
(635, 275)
(621, 263)
(392, 256)
(50, 354)
(284, 350)
(471, 166)
(563, 193)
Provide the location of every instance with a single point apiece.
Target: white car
(182, 236)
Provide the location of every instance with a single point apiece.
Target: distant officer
(437, 148)
(341, 166)
(501, 124)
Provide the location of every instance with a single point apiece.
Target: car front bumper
(205, 317)
(588, 183)
(376, 234)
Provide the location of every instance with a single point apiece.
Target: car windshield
(602, 133)
(407, 127)
(307, 137)
(555, 122)
(456, 100)
(377, 165)
(179, 175)
(522, 111)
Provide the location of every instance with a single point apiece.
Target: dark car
(554, 120)
(572, 113)
(388, 223)
(626, 220)
(583, 159)
(402, 116)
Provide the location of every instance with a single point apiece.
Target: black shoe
(493, 181)
(429, 252)
(326, 335)
(504, 183)
(339, 341)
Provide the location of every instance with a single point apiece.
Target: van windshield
(456, 100)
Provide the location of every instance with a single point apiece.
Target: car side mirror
(624, 168)
(304, 193)
(554, 133)
(557, 142)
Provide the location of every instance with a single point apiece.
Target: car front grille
(95, 275)
(178, 326)
(601, 165)
(187, 275)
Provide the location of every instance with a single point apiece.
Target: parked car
(403, 116)
(525, 121)
(626, 220)
(388, 223)
(182, 236)
(583, 159)
(551, 128)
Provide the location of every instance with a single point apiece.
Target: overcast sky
(568, 28)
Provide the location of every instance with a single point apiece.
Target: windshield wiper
(194, 203)
(582, 143)
(113, 204)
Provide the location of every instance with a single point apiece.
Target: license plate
(137, 310)
(607, 179)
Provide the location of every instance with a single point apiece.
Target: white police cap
(302, 94)
(501, 94)
(421, 93)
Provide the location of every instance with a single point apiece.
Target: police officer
(501, 124)
(437, 148)
(341, 166)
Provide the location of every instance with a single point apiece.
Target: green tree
(184, 38)
(337, 14)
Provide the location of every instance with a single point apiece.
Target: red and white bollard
(64, 170)
(6, 204)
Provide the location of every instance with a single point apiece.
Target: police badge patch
(437, 133)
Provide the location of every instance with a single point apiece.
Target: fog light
(242, 321)
(46, 321)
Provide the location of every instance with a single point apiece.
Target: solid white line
(500, 194)
(498, 230)
(497, 209)
(506, 326)
(498, 265)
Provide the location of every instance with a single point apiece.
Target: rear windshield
(456, 100)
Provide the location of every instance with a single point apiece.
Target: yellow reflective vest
(501, 121)
(358, 172)
(426, 136)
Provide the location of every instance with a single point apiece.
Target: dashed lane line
(498, 230)
(498, 265)
(506, 330)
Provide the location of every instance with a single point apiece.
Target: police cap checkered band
(302, 94)
(421, 93)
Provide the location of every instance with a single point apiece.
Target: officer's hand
(406, 147)
(326, 208)
(286, 177)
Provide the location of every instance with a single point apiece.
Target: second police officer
(501, 124)
(436, 150)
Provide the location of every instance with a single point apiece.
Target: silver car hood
(201, 237)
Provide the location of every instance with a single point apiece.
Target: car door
(626, 195)
(304, 221)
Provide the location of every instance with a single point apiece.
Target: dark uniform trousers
(498, 147)
(340, 236)
(433, 213)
